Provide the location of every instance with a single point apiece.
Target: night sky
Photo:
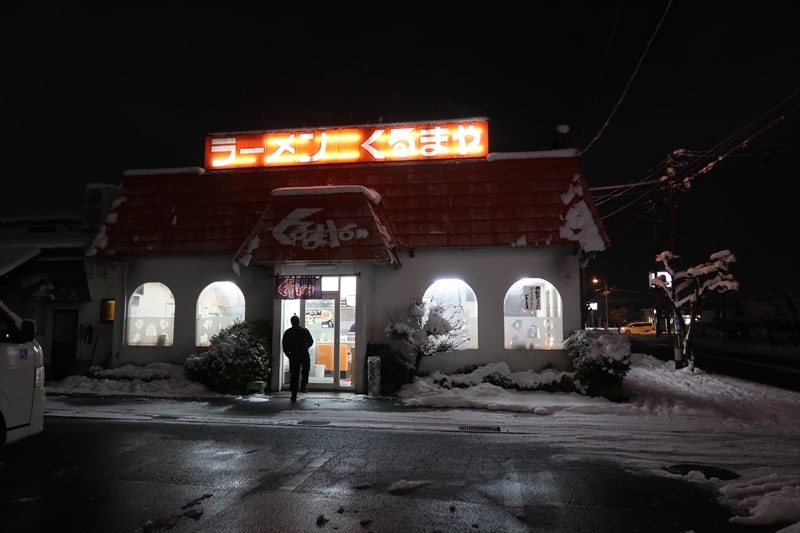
(87, 94)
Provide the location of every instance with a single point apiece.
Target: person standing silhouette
(295, 343)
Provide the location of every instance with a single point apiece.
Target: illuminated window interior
(460, 305)
(220, 305)
(151, 315)
(533, 316)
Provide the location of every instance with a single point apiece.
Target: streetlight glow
(605, 292)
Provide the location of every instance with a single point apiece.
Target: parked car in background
(22, 391)
(638, 328)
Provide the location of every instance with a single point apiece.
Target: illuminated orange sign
(353, 144)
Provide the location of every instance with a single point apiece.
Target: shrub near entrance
(237, 356)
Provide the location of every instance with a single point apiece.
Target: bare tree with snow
(686, 289)
(427, 329)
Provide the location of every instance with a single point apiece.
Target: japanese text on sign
(295, 230)
(358, 144)
(298, 287)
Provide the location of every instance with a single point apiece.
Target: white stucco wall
(490, 273)
(104, 277)
(382, 289)
(186, 277)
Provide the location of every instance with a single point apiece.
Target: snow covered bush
(425, 330)
(500, 375)
(600, 361)
(237, 355)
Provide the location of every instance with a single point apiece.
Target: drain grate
(480, 429)
(313, 423)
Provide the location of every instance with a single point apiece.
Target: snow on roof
(578, 223)
(42, 219)
(542, 154)
(372, 195)
(13, 256)
(378, 124)
(100, 241)
(159, 171)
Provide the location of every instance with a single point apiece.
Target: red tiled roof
(536, 199)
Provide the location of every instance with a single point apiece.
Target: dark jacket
(296, 342)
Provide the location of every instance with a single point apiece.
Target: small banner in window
(298, 287)
(532, 298)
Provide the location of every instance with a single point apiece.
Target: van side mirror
(28, 331)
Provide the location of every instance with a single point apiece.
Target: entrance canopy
(330, 223)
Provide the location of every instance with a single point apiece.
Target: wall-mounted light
(108, 308)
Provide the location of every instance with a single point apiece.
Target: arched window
(532, 316)
(219, 305)
(151, 315)
(459, 306)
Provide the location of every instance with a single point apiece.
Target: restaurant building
(346, 227)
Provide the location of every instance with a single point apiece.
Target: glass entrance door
(321, 321)
(330, 320)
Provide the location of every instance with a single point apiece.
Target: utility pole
(677, 320)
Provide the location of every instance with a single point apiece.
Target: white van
(22, 390)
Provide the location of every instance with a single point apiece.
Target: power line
(634, 201)
(680, 174)
(704, 164)
(626, 186)
(652, 178)
(630, 81)
(602, 70)
(736, 141)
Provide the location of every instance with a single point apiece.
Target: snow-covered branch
(428, 329)
(684, 288)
